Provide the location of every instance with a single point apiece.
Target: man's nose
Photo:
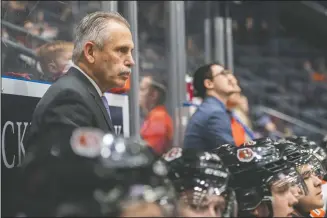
(316, 181)
(296, 191)
(292, 200)
(130, 62)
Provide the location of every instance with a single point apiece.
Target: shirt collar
(89, 78)
(214, 99)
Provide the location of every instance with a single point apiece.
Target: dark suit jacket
(71, 102)
(209, 127)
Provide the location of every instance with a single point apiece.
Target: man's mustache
(125, 73)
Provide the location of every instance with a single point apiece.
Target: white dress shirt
(90, 79)
(105, 102)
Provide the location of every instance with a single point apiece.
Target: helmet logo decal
(249, 143)
(245, 155)
(86, 142)
(173, 154)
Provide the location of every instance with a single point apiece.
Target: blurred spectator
(249, 34)
(263, 34)
(157, 128)
(315, 76)
(307, 66)
(242, 111)
(16, 12)
(42, 27)
(54, 59)
(241, 132)
(238, 130)
(31, 28)
(240, 121)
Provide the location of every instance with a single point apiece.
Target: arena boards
(18, 100)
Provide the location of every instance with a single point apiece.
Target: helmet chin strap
(231, 207)
(246, 214)
(268, 200)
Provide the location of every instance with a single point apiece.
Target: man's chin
(320, 204)
(120, 84)
(118, 88)
(232, 93)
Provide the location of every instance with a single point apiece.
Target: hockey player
(262, 179)
(97, 175)
(312, 172)
(201, 182)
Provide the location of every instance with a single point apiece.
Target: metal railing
(315, 6)
(13, 27)
(292, 120)
(17, 47)
(8, 45)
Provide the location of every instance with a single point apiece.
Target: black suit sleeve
(68, 110)
(65, 113)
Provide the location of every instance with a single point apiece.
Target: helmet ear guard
(231, 209)
(249, 199)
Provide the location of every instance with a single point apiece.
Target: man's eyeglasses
(223, 73)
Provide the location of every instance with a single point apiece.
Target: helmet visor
(289, 179)
(311, 165)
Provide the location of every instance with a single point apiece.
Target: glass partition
(27, 29)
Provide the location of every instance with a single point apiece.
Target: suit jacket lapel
(99, 102)
(95, 94)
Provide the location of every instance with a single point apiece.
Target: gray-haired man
(102, 59)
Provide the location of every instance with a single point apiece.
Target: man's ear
(89, 52)
(208, 84)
